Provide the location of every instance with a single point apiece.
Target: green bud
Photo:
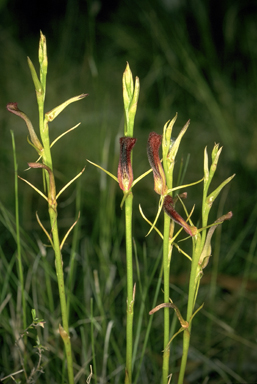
(215, 158)
(215, 151)
(174, 149)
(167, 131)
(128, 87)
(206, 166)
(130, 98)
(43, 62)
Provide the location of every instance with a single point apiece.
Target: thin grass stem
(17, 221)
(149, 326)
(93, 340)
(74, 247)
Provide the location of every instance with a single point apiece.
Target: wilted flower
(125, 173)
(168, 206)
(153, 145)
(13, 108)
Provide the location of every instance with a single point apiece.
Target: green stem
(166, 275)
(192, 294)
(186, 342)
(61, 287)
(93, 339)
(130, 295)
(52, 209)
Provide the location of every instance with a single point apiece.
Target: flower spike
(153, 145)
(125, 172)
(168, 207)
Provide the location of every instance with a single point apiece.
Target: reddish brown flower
(168, 206)
(153, 145)
(125, 173)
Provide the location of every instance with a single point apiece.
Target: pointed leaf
(38, 86)
(108, 173)
(50, 116)
(212, 196)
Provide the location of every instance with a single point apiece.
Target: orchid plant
(163, 185)
(43, 148)
(201, 243)
(162, 169)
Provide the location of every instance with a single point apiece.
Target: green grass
(177, 75)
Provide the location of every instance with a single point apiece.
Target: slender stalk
(201, 248)
(130, 99)
(130, 295)
(40, 87)
(168, 165)
(93, 339)
(192, 293)
(157, 290)
(49, 290)
(19, 261)
(61, 287)
(166, 288)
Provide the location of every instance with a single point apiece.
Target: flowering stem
(61, 287)
(130, 295)
(52, 209)
(40, 87)
(125, 177)
(166, 288)
(192, 294)
(201, 247)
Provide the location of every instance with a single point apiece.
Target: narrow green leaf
(37, 83)
(50, 116)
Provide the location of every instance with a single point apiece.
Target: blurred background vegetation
(197, 58)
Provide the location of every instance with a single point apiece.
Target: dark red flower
(125, 173)
(168, 206)
(153, 145)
